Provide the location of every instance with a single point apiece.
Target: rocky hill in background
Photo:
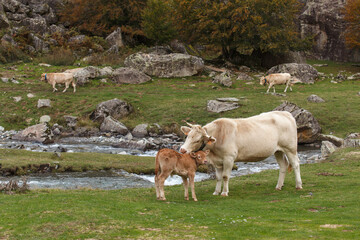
(322, 19)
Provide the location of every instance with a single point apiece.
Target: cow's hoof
(224, 194)
(299, 188)
(216, 193)
(187, 199)
(195, 200)
(278, 188)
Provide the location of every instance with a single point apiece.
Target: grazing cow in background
(169, 161)
(276, 79)
(54, 78)
(246, 140)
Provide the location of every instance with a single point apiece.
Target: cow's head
(43, 77)
(263, 81)
(200, 156)
(197, 138)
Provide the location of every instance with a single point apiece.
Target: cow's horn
(189, 124)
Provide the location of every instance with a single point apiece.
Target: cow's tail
(289, 164)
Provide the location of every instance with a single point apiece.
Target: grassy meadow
(327, 208)
(169, 101)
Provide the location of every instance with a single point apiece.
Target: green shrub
(10, 53)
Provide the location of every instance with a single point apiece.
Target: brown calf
(169, 161)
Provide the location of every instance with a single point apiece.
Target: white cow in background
(246, 140)
(277, 79)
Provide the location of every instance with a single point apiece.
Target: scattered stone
(5, 80)
(223, 79)
(304, 72)
(17, 99)
(244, 76)
(129, 75)
(44, 65)
(140, 131)
(221, 106)
(112, 125)
(104, 80)
(116, 108)
(244, 69)
(44, 103)
(327, 148)
(30, 95)
(15, 81)
(354, 77)
(106, 71)
(167, 66)
(228, 99)
(315, 99)
(38, 133)
(333, 139)
(352, 140)
(2, 129)
(308, 127)
(45, 119)
(320, 65)
(71, 121)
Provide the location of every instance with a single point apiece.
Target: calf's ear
(185, 130)
(207, 152)
(193, 155)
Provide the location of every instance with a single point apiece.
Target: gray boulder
(308, 127)
(38, 43)
(112, 125)
(140, 131)
(354, 76)
(327, 148)
(304, 72)
(37, 133)
(115, 38)
(4, 21)
(71, 121)
(44, 103)
(222, 105)
(315, 99)
(36, 25)
(167, 66)
(45, 119)
(129, 75)
(338, 142)
(352, 140)
(7, 39)
(244, 76)
(223, 79)
(115, 108)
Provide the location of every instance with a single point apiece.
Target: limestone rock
(304, 72)
(338, 142)
(112, 125)
(223, 79)
(221, 106)
(116, 108)
(17, 99)
(167, 65)
(44, 103)
(315, 99)
(129, 75)
(71, 121)
(45, 119)
(244, 76)
(327, 148)
(308, 127)
(352, 140)
(115, 38)
(140, 131)
(38, 133)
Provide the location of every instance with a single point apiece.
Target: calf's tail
(157, 165)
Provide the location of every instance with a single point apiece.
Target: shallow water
(122, 179)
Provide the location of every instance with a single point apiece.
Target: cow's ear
(193, 155)
(185, 130)
(211, 140)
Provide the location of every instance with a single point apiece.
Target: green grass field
(327, 208)
(169, 101)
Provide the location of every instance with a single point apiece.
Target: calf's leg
(192, 184)
(186, 188)
(162, 177)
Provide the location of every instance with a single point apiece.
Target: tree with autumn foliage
(238, 27)
(101, 17)
(352, 16)
(156, 22)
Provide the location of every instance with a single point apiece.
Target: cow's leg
(192, 184)
(287, 85)
(186, 187)
(54, 88)
(270, 85)
(219, 174)
(157, 186)
(226, 176)
(74, 86)
(280, 158)
(66, 86)
(295, 163)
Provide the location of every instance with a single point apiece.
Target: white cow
(246, 140)
(276, 79)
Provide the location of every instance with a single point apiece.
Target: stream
(120, 179)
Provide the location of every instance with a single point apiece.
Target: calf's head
(197, 138)
(200, 156)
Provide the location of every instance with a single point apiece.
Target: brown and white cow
(246, 140)
(276, 79)
(169, 161)
(57, 78)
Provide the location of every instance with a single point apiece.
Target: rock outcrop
(129, 75)
(325, 20)
(307, 126)
(165, 65)
(36, 133)
(115, 108)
